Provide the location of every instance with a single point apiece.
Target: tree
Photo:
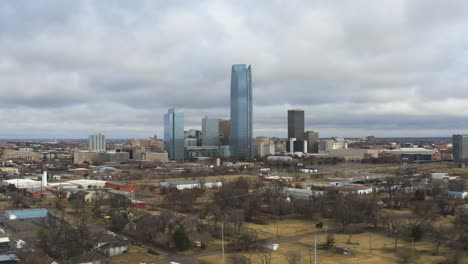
(293, 257)
(238, 259)
(458, 185)
(395, 226)
(264, 257)
(439, 234)
(247, 240)
(330, 241)
(180, 239)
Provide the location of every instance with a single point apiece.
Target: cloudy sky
(357, 68)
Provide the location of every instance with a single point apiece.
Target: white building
(97, 142)
(181, 185)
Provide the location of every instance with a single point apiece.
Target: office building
(210, 131)
(312, 141)
(460, 148)
(263, 146)
(174, 134)
(97, 142)
(296, 124)
(224, 131)
(241, 111)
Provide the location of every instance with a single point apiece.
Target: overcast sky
(357, 68)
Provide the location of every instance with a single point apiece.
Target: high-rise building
(174, 134)
(263, 146)
(224, 131)
(241, 111)
(97, 142)
(460, 148)
(312, 141)
(296, 124)
(210, 131)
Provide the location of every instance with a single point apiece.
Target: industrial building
(180, 185)
(25, 214)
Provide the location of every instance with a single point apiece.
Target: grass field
(135, 255)
(286, 227)
(382, 251)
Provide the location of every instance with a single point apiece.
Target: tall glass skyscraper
(174, 134)
(241, 111)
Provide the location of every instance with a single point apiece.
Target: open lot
(286, 227)
(382, 251)
(135, 255)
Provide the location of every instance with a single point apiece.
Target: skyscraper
(460, 148)
(174, 134)
(241, 111)
(210, 131)
(296, 124)
(97, 142)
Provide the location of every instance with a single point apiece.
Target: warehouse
(26, 214)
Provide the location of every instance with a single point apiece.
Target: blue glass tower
(174, 134)
(241, 111)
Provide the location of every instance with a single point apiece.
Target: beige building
(354, 154)
(79, 157)
(21, 155)
(9, 170)
(155, 156)
(263, 146)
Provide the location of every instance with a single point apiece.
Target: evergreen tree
(181, 240)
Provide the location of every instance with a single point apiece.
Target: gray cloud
(389, 68)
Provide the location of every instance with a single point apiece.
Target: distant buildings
(333, 143)
(241, 111)
(460, 148)
(174, 134)
(97, 142)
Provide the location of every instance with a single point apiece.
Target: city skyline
(357, 69)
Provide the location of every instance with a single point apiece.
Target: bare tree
(265, 257)
(439, 234)
(293, 257)
(238, 259)
(395, 225)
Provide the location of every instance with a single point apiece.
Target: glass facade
(174, 134)
(210, 131)
(460, 148)
(241, 111)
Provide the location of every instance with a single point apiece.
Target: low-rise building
(457, 195)
(126, 187)
(25, 154)
(114, 248)
(25, 214)
(180, 185)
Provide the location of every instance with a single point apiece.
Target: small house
(114, 248)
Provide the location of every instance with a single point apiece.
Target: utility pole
(315, 249)
(222, 241)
